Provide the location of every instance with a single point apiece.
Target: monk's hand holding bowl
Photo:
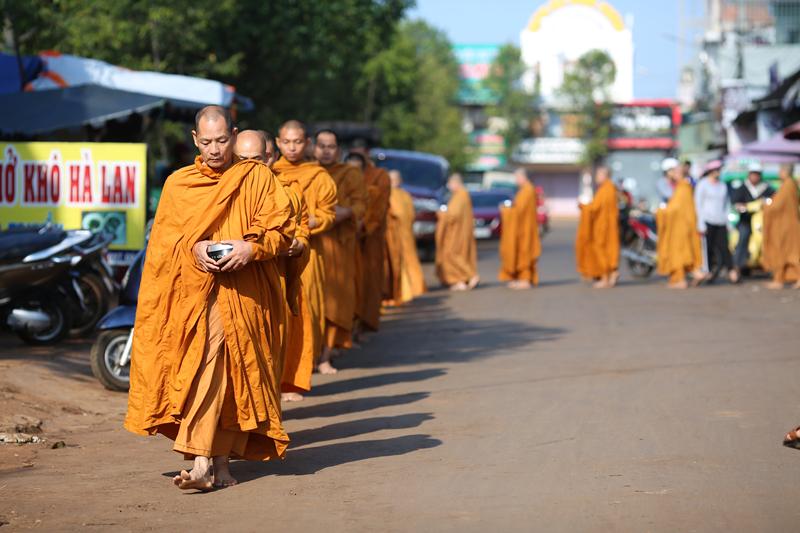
(295, 249)
(201, 255)
(238, 258)
(312, 222)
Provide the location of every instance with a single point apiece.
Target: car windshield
(488, 200)
(416, 172)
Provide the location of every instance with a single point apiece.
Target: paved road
(558, 409)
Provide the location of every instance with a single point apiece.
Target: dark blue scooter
(111, 353)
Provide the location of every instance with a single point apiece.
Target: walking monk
(678, 247)
(781, 249)
(597, 244)
(520, 247)
(207, 331)
(456, 249)
(404, 278)
(339, 248)
(373, 240)
(306, 330)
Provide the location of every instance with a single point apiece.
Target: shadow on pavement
(352, 428)
(355, 405)
(308, 461)
(69, 357)
(378, 380)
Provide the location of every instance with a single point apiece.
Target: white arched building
(561, 31)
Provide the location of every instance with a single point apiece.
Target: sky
(656, 32)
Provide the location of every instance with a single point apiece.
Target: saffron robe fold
(678, 247)
(781, 248)
(339, 249)
(520, 246)
(597, 242)
(404, 279)
(373, 242)
(456, 249)
(244, 203)
(305, 332)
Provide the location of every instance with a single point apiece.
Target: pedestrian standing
(712, 202)
(754, 188)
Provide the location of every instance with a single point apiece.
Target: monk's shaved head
(250, 144)
(395, 178)
(212, 113)
(455, 182)
(293, 125)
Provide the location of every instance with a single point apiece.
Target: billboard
(644, 125)
(474, 62)
(97, 186)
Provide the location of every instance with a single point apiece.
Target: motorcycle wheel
(638, 269)
(57, 309)
(105, 355)
(96, 298)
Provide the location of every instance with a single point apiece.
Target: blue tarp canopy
(35, 113)
(9, 72)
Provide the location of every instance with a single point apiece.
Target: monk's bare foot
(602, 284)
(796, 286)
(473, 282)
(733, 277)
(222, 473)
(679, 285)
(460, 286)
(325, 367)
(522, 285)
(199, 478)
(774, 285)
(613, 278)
(291, 397)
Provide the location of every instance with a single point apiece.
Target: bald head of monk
(357, 160)
(250, 144)
(602, 175)
(272, 146)
(455, 182)
(521, 177)
(396, 179)
(293, 141)
(785, 171)
(326, 147)
(215, 136)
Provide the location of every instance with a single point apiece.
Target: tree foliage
(587, 89)
(514, 105)
(316, 61)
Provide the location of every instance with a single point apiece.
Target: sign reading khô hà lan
(96, 186)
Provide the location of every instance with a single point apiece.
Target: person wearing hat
(664, 185)
(754, 188)
(712, 204)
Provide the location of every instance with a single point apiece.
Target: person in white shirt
(712, 204)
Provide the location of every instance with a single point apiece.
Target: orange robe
(372, 245)
(339, 249)
(184, 312)
(781, 249)
(306, 330)
(520, 247)
(678, 247)
(597, 243)
(404, 278)
(456, 249)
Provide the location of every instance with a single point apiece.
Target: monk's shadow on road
(307, 461)
(354, 405)
(378, 380)
(353, 428)
(427, 331)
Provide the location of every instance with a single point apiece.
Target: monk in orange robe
(520, 246)
(404, 278)
(456, 249)
(203, 368)
(678, 249)
(781, 249)
(373, 237)
(597, 244)
(340, 248)
(305, 331)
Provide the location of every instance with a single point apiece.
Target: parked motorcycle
(639, 238)
(37, 289)
(93, 284)
(111, 353)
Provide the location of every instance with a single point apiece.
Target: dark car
(424, 177)
(486, 211)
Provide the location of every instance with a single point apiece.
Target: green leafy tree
(513, 104)
(587, 90)
(412, 87)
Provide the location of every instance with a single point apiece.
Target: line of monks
(317, 246)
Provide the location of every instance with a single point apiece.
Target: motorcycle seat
(15, 244)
